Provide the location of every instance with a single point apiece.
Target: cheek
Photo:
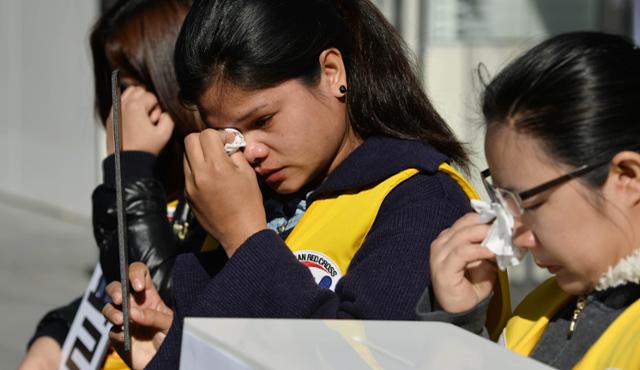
(307, 142)
(576, 244)
(555, 236)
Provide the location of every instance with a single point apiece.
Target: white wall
(463, 34)
(47, 127)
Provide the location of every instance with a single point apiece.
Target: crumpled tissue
(498, 240)
(238, 141)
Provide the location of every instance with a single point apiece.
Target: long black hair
(138, 37)
(256, 44)
(577, 93)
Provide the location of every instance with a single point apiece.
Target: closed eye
(532, 207)
(262, 122)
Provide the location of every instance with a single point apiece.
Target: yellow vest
(332, 230)
(617, 348)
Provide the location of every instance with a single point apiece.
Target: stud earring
(343, 89)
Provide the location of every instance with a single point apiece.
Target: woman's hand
(44, 354)
(462, 271)
(150, 318)
(145, 127)
(222, 190)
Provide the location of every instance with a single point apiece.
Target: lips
(553, 268)
(271, 176)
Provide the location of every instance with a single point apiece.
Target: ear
(624, 178)
(333, 73)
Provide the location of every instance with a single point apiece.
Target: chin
(573, 284)
(284, 188)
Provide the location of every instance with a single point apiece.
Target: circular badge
(324, 270)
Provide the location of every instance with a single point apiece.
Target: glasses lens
(510, 202)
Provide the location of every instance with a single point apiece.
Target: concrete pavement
(45, 262)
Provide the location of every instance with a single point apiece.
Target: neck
(349, 144)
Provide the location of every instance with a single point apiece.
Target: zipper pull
(181, 230)
(580, 303)
(181, 223)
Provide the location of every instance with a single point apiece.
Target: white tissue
(498, 240)
(238, 141)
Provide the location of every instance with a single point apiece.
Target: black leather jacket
(150, 234)
(152, 237)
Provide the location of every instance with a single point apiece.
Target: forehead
(225, 99)
(225, 103)
(228, 102)
(517, 161)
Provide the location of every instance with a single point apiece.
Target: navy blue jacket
(385, 279)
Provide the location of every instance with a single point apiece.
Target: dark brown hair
(261, 43)
(138, 37)
(577, 93)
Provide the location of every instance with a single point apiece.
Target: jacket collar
(376, 159)
(627, 270)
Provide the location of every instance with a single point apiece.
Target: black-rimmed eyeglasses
(512, 201)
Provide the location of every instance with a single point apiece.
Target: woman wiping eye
(358, 172)
(562, 121)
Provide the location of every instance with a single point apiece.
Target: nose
(255, 152)
(523, 236)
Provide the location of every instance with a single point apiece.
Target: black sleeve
(150, 235)
(384, 280)
(56, 323)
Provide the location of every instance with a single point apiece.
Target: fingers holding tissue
(499, 238)
(222, 187)
(462, 271)
(464, 256)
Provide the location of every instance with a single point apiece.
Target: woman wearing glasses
(562, 143)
